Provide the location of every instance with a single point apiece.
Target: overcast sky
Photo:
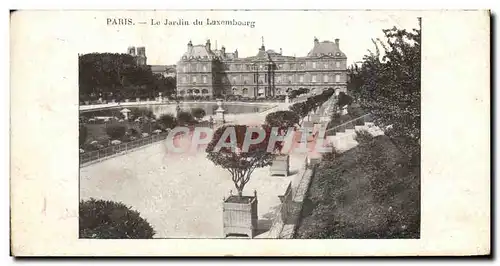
(293, 31)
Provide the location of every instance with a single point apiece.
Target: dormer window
(330, 54)
(191, 57)
(205, 57)
(338, 54)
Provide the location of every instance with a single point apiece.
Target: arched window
(204, 91)
(245, 91)
(196, 91)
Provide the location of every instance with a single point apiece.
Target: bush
(282, 119)
(111, 220)
(82, 134)
(116, 131)
(363, 136)
(198, 113)
(344, 99)
(185, 118)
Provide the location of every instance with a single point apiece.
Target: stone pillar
(219, 113)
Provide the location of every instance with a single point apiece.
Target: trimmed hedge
(104, 219)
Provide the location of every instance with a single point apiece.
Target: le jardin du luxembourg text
(179, 22)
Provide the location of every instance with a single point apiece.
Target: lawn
(369, 192)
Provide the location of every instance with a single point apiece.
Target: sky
(292, 31)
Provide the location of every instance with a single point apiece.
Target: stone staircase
(343, 137)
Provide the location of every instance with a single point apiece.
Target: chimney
(131, 50)
(337, 42)
(236, 53)
(281, 51)
(207, 45)
(316, 41)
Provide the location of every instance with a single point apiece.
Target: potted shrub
(240, 211)
(283, 121)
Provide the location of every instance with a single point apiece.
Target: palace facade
(205, 72)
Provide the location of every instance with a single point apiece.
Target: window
(302, 66)
(301, 78)
(337, 78)
(313, 78)
(205, 68)
(337, 64)
(204, 79)
(184, 79)
(325, 78)
(194, 79)
(278, 79)
(184, 69)
(326, 65)
(290, 79)
(314, 65)
(234, 80)
(245, 91)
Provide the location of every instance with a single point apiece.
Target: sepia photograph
(211, 132)
(346, 120)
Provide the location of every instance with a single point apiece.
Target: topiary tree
(116, 131)
(240, 162)
(111, 220)
(168, 121)
(198, 113)
(185, 118)
(282, 119)
(344, 99)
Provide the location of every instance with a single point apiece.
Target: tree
(198, 113)
(344, 99)
(282, 119)
(116, 131)
(240, 163)
(111, 220)
(82, 134)
(168, 121)
(185, 118)
(388, 86)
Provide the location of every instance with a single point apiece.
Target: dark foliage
(82, 134)
(168, 121)
(282, 119)
(388, 86)
(116, 131)
(370, 191)
(102, 219)
(198, 113)
(240, 162)
(185, 118)
(344, 99)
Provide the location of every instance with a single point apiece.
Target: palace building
(203, 71)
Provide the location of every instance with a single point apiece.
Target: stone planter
(280, 165)
(240, 216)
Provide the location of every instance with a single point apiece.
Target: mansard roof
(325, 48)
(198, 51)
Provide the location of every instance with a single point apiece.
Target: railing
(349, 125)
(104, 153)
